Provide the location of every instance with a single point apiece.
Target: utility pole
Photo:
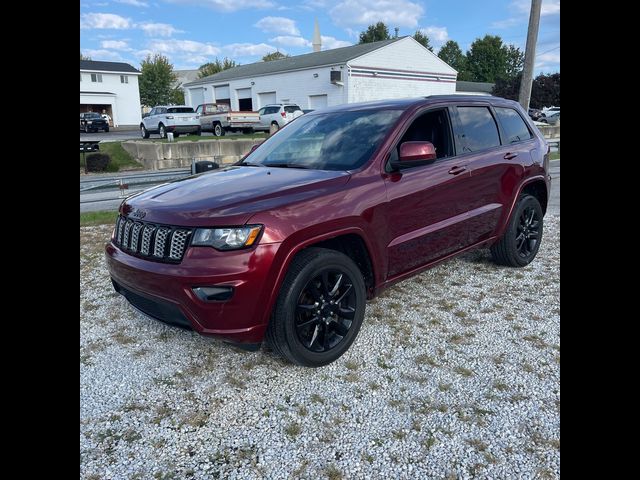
(530, 54)
(397, 30)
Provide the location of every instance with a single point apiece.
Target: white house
(112, 87)
(396, 68)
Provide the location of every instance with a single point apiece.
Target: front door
(426, 203)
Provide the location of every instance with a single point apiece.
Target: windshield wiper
(286, 165)
(249, 164)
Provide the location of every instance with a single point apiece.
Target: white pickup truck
(217, 118)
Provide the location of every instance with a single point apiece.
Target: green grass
(120, 159)
(98, 218)
(196, 138)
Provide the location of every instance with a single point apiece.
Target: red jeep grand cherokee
(290, 242)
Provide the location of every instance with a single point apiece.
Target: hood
(231, 195)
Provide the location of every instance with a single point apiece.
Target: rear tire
(521, 240)
(319, 310)
(106, 130)
(176, 134)
(162, 131)
(199, 132)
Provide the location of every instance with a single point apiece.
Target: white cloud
(329, 43)
(248, 49)
(134, 3)
(283, 25)
(104, 20)
(290, 41)
(227, 5)
(101, 54)
(437, 35)
(182, 47)
(522, 9)
(399, 13)
(158, 29)
(115, 45)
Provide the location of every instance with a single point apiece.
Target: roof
(107, 66)
(308, 60)
(97, 93)
(462, 86)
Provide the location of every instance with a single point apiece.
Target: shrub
(98, 162)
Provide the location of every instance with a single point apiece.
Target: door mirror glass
(416, 152)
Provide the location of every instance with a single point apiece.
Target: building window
(96, 77)
(124, 79)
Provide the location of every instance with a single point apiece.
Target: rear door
(494, 164)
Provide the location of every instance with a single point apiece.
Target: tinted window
(180, 110)
(270, 110)
(513, 125)
(92, 115)
(479, 128)
(291, 109)
(261, 111)
(333, 141)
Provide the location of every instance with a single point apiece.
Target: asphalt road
(120, 135)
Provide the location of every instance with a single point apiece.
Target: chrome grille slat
(178, 241)
(162, 243)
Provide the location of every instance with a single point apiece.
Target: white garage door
(197, 96)
(244, 93)
(266, 98)
(317, 101)
(222, 92)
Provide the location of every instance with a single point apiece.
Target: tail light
(228, 118)
(284, 114)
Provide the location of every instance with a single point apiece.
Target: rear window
(479, 128)
(513, 125)
(180, 110)
(291, 109)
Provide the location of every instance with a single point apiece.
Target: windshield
(180, 110)
(330, 141)
(92, 115)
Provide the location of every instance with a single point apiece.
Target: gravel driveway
(455, 374)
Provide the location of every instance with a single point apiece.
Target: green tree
(84, 57)
(216, 66)
(375, 33)
(451, 54)
(489, 60)
(274, 56)
(423, 39)
(545, 89)
(157, 81)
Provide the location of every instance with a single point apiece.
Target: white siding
(126, 102)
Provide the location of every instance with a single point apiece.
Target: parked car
(552, 116)
(277, 115)
(289, 243)
(217, 118)
(171, 118)
(93, 122)
(535, 114)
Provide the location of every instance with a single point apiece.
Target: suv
(173, 118)
(290, 242)
(277, 116)
(93, 122)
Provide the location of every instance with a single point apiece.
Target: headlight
(89, 122)
(230, 238)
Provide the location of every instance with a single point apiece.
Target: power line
(554, 48)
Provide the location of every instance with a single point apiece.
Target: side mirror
(145, 115)
(415, 152)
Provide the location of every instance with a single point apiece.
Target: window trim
(98, 78)
(461, 134)
(396, 141)
(124, 79)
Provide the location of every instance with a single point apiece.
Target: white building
(112, 87)
(396, 68)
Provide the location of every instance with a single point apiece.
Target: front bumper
(165, 291)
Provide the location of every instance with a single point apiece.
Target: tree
(216, 66)
(157, 82)
(487, 59)
(515, 61)
(274, 56)
(423, 39)
(375, 33)
(545, 90)
(451, 54)
(84, 57)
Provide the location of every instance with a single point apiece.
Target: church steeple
(317, 40)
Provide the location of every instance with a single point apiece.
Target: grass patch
(293, 429)
(333, 472)
(120, 159)
(465, 372)
(98, 218)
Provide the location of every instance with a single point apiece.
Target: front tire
(521, 240)
(319, 310)
(218, 131)
(144, 133)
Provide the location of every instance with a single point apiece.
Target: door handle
(509, 155)
(457, 169)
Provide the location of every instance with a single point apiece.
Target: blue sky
(193, 32)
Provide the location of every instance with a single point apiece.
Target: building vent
(336, 77)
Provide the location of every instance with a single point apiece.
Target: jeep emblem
(138, 213)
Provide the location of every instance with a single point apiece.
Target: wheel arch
(536, 186)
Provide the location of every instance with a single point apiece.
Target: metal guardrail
(124, 181)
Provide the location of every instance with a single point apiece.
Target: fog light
(213, 294)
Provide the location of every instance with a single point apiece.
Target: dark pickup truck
(93, 122)
(290, 242)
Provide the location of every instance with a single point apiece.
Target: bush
(97, 162)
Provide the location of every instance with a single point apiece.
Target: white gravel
(455, 374)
